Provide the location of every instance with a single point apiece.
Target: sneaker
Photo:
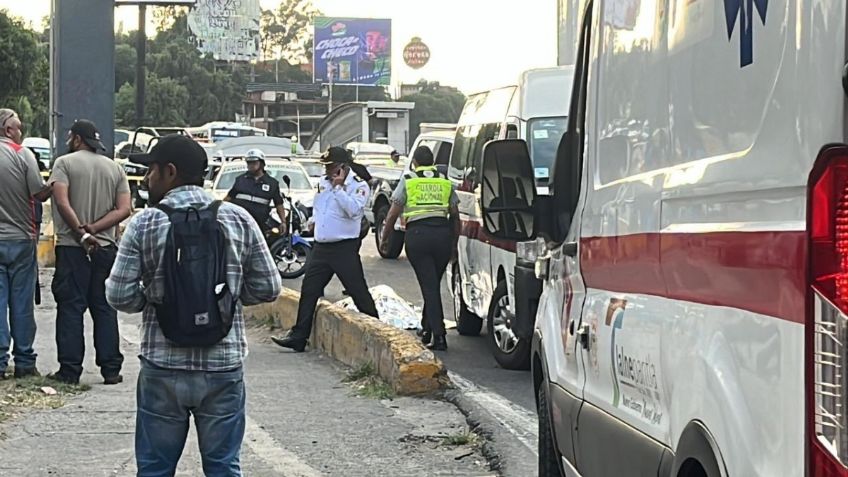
(57, 376)
(116, 379)
(26, 372)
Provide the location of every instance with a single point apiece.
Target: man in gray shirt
(21, 186)
(91, 197)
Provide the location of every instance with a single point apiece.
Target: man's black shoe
(440, 343)
(291, 343)
(426, 336)
(57, 376)
(25, 372)
(116, 379)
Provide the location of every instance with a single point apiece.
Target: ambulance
(481, 280)
(694, 309)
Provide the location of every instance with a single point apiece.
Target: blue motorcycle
(291, 251)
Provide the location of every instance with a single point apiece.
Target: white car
(301, 189)
(42, 147)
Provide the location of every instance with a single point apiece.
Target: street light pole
(140, 74)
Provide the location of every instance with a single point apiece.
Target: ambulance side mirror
(508, 191)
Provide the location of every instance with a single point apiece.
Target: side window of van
(443, 156)
(463, 145)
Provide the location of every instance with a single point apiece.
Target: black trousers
(428, 248)
(328, 259)
(79, 284)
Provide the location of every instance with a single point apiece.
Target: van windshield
(543, 139)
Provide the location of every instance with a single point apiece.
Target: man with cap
(21, 188)
(176, 382)
(394, 160)
(338, 209)
(91, 197)
(256, 191)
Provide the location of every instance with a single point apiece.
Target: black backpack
(198, 307)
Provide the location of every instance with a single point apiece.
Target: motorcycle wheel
(294, 265)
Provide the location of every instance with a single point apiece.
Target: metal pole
(332, 74)
(140, 75)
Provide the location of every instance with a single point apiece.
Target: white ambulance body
(481, 282)
(693, 314)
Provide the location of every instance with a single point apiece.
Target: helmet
(255, 155)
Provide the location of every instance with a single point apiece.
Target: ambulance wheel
(467, 323)
(510, 351)
(395, 239)
(549, 457)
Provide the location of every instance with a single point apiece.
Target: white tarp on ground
(393, 309)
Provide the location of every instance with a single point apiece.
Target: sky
(474, 44)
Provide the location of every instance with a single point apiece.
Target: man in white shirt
(337, 211)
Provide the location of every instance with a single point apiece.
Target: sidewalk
(302, 421)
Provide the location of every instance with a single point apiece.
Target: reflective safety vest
(427, 194)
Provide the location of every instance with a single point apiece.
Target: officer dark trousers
(328, 259)
(428, 247)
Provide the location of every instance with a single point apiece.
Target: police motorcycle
(291, 251)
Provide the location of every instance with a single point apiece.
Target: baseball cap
(254, 155)
(183, 152)
(86, 130)
(336, 155)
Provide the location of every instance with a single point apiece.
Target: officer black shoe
(289, 342)
(426, 336)
(25, 372)
(440, 343)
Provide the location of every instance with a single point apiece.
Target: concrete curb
(354, 338)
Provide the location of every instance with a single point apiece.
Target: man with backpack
(189, 264)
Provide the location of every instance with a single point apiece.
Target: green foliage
(434, 104)
(24, 84)
(286, 33)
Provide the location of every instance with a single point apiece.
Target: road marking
(518, 421)
(266, 448)
(257, 439)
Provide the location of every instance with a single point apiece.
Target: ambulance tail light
(827, 316)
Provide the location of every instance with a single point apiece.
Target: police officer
(338, 209)
(429, 205)
(256, 191)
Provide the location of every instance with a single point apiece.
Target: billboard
(353, 51)
(228, 29)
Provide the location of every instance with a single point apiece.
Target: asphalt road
(469, 357)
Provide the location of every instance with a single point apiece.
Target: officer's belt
(253, 198)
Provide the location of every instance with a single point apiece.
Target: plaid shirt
(137, 280)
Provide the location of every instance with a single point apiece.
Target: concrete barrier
(354, 339)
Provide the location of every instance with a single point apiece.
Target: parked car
(440, 141)
(693, 315)
(42, 147)
(301, 189)
(483, 280)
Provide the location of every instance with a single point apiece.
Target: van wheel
(549, 458)
(467, 323)
(395, 239)
(509, 351)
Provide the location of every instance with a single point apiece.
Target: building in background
(286, 109)
(382, 122)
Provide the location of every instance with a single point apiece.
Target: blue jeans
(166, 398)
(17, 302)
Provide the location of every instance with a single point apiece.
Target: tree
(125, 63)
(286, 32)
(434, 104)
(25, 82)
(166, 103)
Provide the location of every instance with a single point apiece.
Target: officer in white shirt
(338, 209)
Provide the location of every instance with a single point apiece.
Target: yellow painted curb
(354, 339)
(46, 252)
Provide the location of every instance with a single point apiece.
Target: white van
(482, 280)
(695, 262)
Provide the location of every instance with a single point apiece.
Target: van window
(543, 136)
(443, 156)
(467, 155)
(429, 143)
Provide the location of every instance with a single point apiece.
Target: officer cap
(336, 155)
(254, 155)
